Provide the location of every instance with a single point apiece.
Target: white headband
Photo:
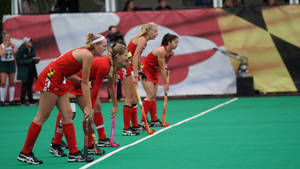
(98, 39)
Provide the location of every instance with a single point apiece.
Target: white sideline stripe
(157, 132)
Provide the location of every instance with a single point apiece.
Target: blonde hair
(144, 29)
(90, 38)
(114, 50)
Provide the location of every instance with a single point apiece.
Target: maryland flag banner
(268, 37)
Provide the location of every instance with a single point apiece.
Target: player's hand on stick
(88, 112)
(166, 88)
(114, 111)
(135, 80)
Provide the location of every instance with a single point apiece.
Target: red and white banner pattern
(196, 69)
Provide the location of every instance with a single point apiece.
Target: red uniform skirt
(51, 80)
(73, 88)
(152, 75)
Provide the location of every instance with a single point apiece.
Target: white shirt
(8, 54)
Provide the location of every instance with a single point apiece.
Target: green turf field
(247, 133)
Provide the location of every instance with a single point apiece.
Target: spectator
(270, 2)
(115, 36)
(30, 7)
(7, 68)
(63, 6)
(163, 5)
(129, 6)
(229, 3)
(26, 68)
(204, 3)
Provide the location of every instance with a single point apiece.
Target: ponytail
(144, 29)
(115, 49)
(92, 37)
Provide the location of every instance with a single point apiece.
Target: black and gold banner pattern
(269, 37)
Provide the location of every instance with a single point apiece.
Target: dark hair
(110, 27)
(160, 1)
(126, 5)
(168, 38)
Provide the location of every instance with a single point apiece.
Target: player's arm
(87, 60)
(14, 48)
(2, 50)
(170, 56)
(74, 78)
(160, 53)
(136, 65)
(111, 90)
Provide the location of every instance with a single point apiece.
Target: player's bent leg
(150, 94)
(64, 107)
(128, 131)
(99, 123)
(45, 108)
(155, 122)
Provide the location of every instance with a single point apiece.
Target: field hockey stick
(98, 151)
(86, 139)
(165, 103)
(143, 113)
(112, 133)
(165, 110)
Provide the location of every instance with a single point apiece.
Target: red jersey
(123, 73)
(150, 66)
(99, 70)
(131, 47)
(52, 77)
(67, 63)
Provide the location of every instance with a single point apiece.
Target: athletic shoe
(32, 102)
(23, 102)
(142, 123)
(130, 132)
(56, 150)
(91, 151)
(104, 143)
(78, 157)
(139, 128)
(12, 103)
(29, 158)
(63, 145)
(156, 123)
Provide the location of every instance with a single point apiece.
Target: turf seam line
(157, 132)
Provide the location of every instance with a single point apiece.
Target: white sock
(2, 94)
(11, 93)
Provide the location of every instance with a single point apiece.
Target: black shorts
(7, 67)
